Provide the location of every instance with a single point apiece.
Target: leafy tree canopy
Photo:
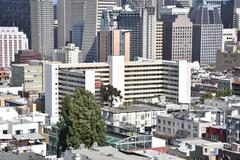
(108, 93)
(81, 121)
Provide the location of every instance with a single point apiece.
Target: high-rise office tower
(207, 34)
(11, 40)
(16, 13)
(227, 13)
(78, 22)
(131, 20)
(78, 19)
(177, 37)
(104, 5)
(42, 22)
(113, 43)
(109, 18)
(236, 14)
(151, 30)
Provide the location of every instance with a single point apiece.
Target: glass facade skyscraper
(16, 13)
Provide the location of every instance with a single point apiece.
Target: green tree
(227, 92)
(207, 95)
(108, 93)
(81, 121)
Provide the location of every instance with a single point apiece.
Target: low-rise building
(140, 115)
(31, 76)
(184, 124)
(24, 56)
(97, 153)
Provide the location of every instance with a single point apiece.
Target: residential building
(67, 54)
(228, 59)
(143, 117)
(113, 43)
(30, 76)
(233, 127)
(42, 23)
(198, 148)
(11, 40)
(216, 133)
(131, 20)
(4, 74)
(24, 56)
(207, 34)
(182, 125)
(136, 80)
(16, 13)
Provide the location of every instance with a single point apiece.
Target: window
(5, 132)
(31, 130)
(18, 132)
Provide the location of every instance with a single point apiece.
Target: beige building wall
(159, 39)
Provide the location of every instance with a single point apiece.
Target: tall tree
(81, 121)
(109, 93)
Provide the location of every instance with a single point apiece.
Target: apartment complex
(136, 80)
(11, 40)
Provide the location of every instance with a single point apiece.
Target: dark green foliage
(108, 92)
(227, 92)
(207, 95)
(81, 121)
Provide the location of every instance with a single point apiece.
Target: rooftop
(134, 108)
(108, 153)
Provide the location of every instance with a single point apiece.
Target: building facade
(113, 43)
(68, 54)
(135, 80)
(131, 20)
(207, 34)
(30, 76)
(24, 56)
(11, 40)
(177, 37)
(42, 23)
(16, 13)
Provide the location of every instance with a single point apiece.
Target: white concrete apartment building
(136, 80)
(11, 40)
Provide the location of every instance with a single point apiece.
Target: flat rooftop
(108, 153)
(134, 108)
